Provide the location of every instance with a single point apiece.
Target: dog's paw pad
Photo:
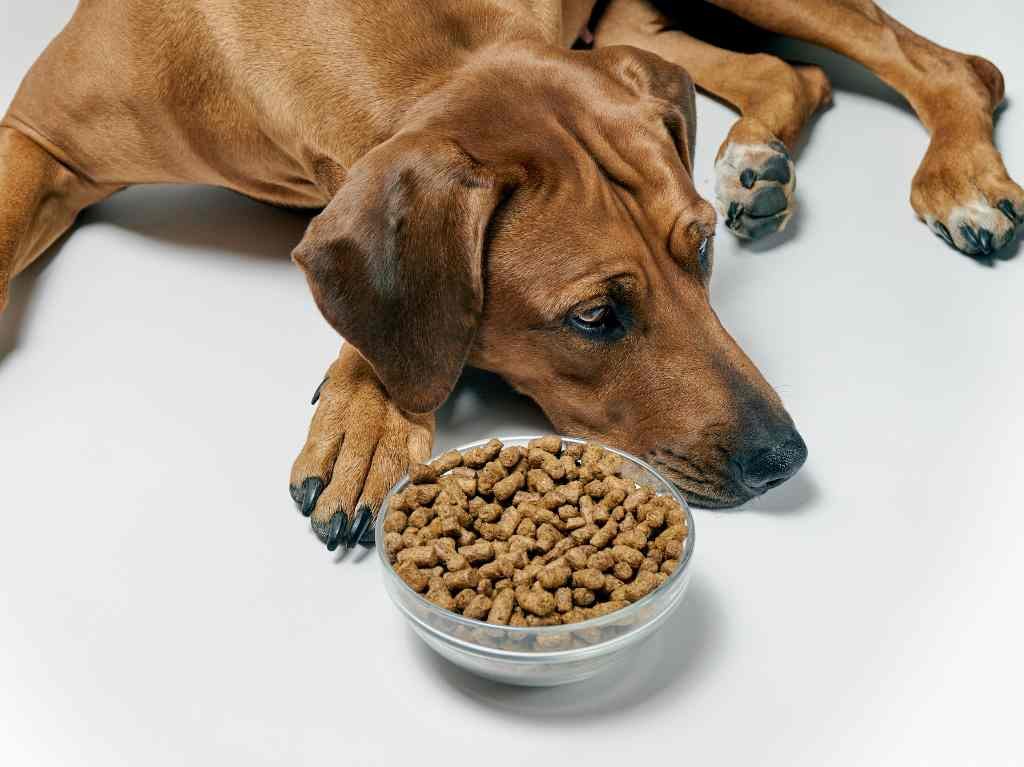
(755, 188)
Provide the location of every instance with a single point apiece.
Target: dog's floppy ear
(648, 73)
(395, 262)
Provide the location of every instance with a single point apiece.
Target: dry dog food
(542, 535)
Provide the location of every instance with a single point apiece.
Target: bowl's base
(522, 673)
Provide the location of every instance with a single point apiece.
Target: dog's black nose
(765, 467)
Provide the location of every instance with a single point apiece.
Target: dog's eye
(599, 321)
(704, 255)
(593, 316)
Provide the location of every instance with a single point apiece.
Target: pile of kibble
(542, 535)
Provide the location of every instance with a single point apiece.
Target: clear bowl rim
(535, 631)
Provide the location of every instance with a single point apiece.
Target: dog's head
(537, 218)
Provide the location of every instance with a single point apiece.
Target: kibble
(545, 535)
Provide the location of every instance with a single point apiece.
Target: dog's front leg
(962, 189)
(359, 444)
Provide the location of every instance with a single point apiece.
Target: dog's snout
(769, 465)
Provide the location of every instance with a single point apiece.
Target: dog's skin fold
(491, 197)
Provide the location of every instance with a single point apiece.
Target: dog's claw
(779, 147)
(733, 218)
(970, 236)
(1007, 209)
(943, 232)
(311, 489)
(985, 236)
(316, 394)
(337, 530)
(359, 526)
(368, 539)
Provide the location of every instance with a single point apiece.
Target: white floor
(161, 601)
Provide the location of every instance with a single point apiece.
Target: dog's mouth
(702, 488)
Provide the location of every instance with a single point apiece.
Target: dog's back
(134, 91)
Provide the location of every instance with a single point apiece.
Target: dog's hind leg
(756, 179)
(39, 199)
(962, 189)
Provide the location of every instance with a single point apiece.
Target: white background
(162, 602)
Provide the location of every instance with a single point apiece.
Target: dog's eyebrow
(619, 286)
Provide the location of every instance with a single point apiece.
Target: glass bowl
(549, 655)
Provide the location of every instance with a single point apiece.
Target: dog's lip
(725, 500)
(707, 502)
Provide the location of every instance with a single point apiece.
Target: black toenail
(316, 394)
(337, 531)
(311, 489)
(1007, 208)
(733, 217)
(359, 526)
(748, 178)
(970, 236)
(768, 202)
(776, 169)
(779, 147)
(985, 236)
(943, 232)
(369, 540)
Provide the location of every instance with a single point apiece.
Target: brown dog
(490, 197)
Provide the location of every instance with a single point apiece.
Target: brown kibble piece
(601, 561)
(535, 601)
(447, 461)
(421, 556)
(588, 578)
(510, 456)
(549, 443)
(462, 579)
(622, 571)
(395, 522)
(627, 554)
(605, 535)
(482, 551)
(489, 475)
(539, 481)
(583, 597)
(563, 599)
(644, 583)
(463, 598)
(577, 556)
(412, 575)
(479, 607)
(392, 545)
(501, 607)
(555, 574)
(422, 474)
(504, 489)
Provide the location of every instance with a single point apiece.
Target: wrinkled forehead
(570, 236)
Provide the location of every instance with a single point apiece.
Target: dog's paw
(755, 182)
(966, 198)
(359, 445)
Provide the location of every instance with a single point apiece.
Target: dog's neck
(416, 77)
